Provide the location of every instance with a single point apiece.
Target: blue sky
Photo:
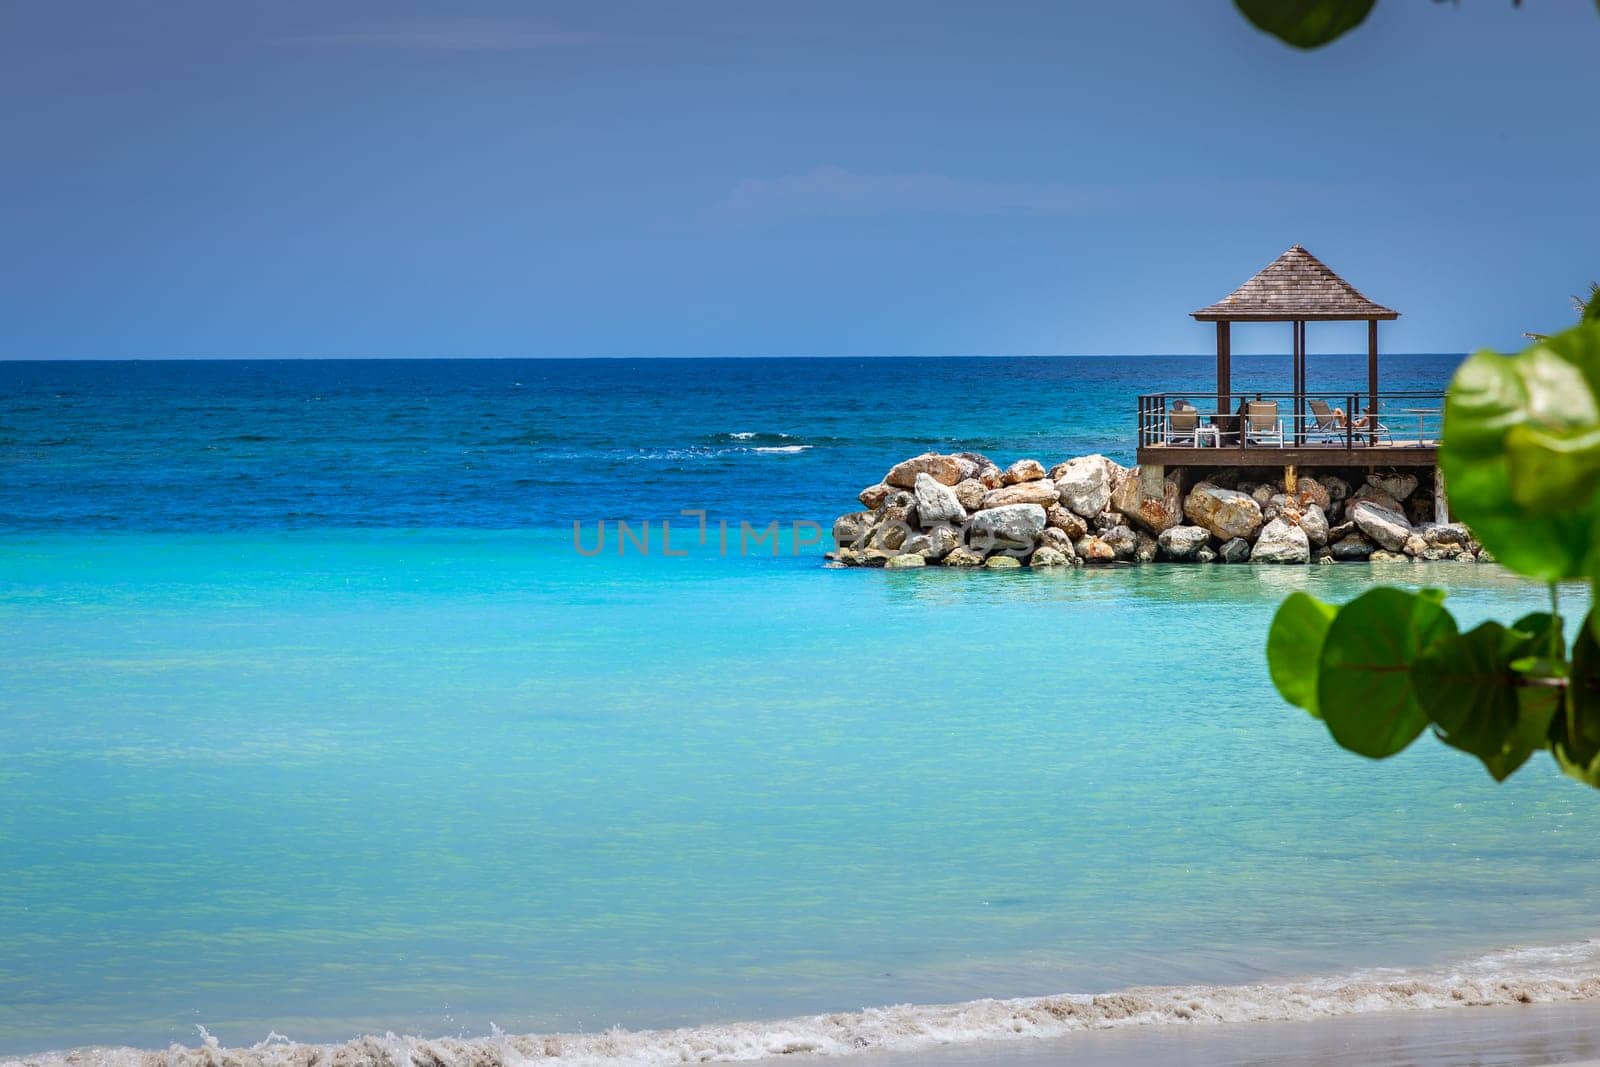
(328, 178)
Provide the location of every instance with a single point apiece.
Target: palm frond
(1588, 308)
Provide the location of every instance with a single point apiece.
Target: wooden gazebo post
(1299, 413)
(1224, 367)
(1372, 381)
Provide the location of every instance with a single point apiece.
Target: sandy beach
(1482, 1037)
(1498, 1036)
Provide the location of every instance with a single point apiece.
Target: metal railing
(1404, 419)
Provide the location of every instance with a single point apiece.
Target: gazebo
(1296, 288)
(1265, 429)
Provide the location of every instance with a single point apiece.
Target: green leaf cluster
(1391, 663)
(1306, 23)
(1521, 460)
(1310, 23)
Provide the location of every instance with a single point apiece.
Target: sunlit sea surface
(313, 721)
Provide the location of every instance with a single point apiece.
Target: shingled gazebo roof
(1297, 286)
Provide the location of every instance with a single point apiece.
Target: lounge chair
(1262, 425)
(1184, 427)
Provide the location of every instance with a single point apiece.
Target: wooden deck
(1384, 455)
(1286, 430)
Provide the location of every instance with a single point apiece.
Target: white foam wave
(781, 448)
(1516, 976)
(744, 435)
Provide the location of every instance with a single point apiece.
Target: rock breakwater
(964, 510)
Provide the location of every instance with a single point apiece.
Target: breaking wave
(756, 441)
(1517, 976)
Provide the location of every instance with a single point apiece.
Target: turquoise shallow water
(328, 782)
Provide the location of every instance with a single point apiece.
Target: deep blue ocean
(512, 444)
(313, 722)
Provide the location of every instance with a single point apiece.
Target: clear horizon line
(485, 359)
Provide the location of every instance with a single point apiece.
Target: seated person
(1368, 421)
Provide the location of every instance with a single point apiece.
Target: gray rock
(1385, 526)
(1146, 550)
(1234, 550)
(1281, 542)
(1419, 509)
(1012, 524)
(1066, 520)
(970, 493)
(1084, 484)
(977, 459)
(935, 544)
(875, 496)
(1123, 541)
(1183, 542)
(1023, 470)
(1058, 540)
(1445, 533)
(852, 530)
(1041, 492)
(1095, 551)
(937, 502)
(1352, 547)
(1046, 556)
(891, 534)
(1151, 514)
(1378, 497)
(1104, 521)
(1311, 491)
(1226, 513)
(944, 469)
(1205, 555)
(910, 559)
(1314, 523)
(1384, 556)
(964, 557)
(1002, 562)
(1338, 489)
(1396, 486)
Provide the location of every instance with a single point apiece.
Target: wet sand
(1500, 1036)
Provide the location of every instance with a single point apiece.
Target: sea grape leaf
(1294, 647)
(1305, 23)
(1546, 653)
(1549, 469)
(1467, 685)
(1575, 734)
(1365, 687)
(1546, 631)
(1517, 455)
